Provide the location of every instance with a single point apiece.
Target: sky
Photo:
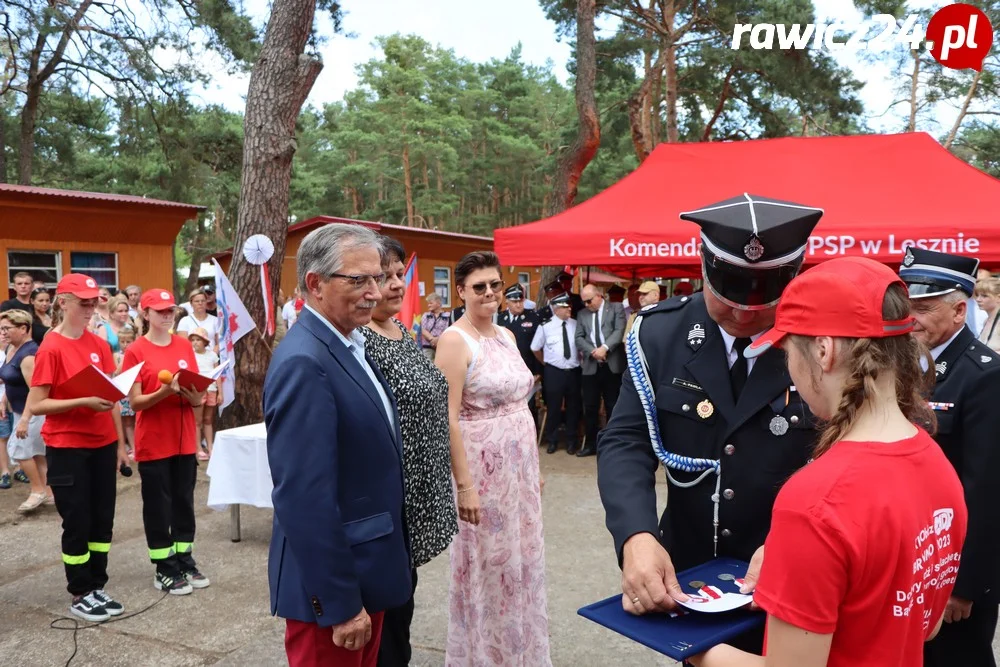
(479, 30)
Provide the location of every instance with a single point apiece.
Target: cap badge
(908, 258)
(779, 425)
(754, 249)
(696, 336)
(90, 282)
(941, 367)
(705, 409)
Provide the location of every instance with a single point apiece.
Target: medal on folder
(716, 612)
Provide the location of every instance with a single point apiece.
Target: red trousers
(309, 645)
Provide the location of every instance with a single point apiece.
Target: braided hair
(867, 359)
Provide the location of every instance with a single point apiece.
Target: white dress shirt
(598, 322)
(936, 351)
(356, 346)
(549, 337)
(731, 353)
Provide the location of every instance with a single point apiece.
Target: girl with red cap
(84, 446)
(165, 447)
(865, 541)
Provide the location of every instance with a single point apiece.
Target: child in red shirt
(865, 541)
(84, 447)
(165, 445)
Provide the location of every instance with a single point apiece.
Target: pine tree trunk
(588, 138)
(279, 84)
(3, 146)
(26, 146)
(408, 186)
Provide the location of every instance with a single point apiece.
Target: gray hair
(434, 296)
(322, 250)
(954, 297)
(133, 287)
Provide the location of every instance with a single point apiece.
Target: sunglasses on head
(480, 288)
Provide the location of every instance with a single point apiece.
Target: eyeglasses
(5, 329)
(480, 288)
(586, 302)
(360, 281)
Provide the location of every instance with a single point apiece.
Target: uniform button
(728, 494)
(686, 408)
(794, 419)
(726, 532)
(729, 449)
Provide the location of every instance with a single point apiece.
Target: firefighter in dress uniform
(728, 430)
(964, 400)
(523, 323)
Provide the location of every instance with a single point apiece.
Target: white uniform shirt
(549, 337)
(288, 313)
(732, 353)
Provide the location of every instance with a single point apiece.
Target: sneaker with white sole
(174, 586)
(196, 578)
(89, 609)
(112, 606)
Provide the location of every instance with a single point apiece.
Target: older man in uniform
(555, 346)
(522, 323)
(729, 430)
(965, 402)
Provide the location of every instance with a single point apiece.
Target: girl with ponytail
(865, 541)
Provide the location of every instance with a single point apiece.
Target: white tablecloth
(238, 470)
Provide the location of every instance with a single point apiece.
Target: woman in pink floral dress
(498, 613)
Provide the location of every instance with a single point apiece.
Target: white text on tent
(619, 248)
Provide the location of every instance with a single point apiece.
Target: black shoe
(113, 607)
(587, 451)
(88, 608)
(572, 449)
(172, 585)
(553, 448)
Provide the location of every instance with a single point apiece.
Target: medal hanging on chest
(778, 425)
(705, 409)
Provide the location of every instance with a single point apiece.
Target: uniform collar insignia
(941, 367)
(696, 336)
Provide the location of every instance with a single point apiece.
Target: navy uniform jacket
(339, 539)
(687, 368)
(969, 434)
(524, 332)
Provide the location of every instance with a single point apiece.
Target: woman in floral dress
(498, 613)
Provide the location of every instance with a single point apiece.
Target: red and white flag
(234, 323)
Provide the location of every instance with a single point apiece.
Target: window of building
(42, 265)
(442, 284)
(524, 280)
(101, 266)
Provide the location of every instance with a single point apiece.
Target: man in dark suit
(740, 422)
(523, 323)
(968, 423)
(339, 550)
(600, 332)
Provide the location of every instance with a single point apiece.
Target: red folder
(198, 381)
(92, 381)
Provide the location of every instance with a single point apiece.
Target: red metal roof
(95, 196)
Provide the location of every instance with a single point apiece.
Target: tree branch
(965, 108)
(722, 102)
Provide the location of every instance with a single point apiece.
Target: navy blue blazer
(339, 539)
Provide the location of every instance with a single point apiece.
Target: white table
(238, 472)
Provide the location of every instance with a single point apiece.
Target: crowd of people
(789, 426)
(70, 448)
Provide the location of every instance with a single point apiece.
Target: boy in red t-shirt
(165, 447)
(84, 447)
(865, 541)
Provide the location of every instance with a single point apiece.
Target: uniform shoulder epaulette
(667, 306)
(983, 356)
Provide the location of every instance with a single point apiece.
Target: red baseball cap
(841, 298)
(79, 285)
(157, 299)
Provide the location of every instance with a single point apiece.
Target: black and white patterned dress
(422, 397)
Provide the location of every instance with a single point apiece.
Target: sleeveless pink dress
(498, 612)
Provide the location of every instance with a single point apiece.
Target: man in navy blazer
(339, 548)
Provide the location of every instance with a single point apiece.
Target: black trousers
(168, 512)
(601, 385)
(968, 643)
(394, 649)
(562, 385)
(83, 485)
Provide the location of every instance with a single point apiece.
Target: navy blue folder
(690, 634)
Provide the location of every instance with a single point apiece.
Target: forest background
(102, 96)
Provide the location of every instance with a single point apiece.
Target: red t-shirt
(865, 544)
(167, 428)
(58, 359)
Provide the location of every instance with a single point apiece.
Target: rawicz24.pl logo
(959, 36)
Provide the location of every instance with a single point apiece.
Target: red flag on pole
(410, 311)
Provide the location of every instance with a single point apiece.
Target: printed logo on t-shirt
(935, 567)
(182, 363)
(90, 282)
(943, 519)
(96, 358)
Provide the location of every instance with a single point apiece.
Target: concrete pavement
(228, 624)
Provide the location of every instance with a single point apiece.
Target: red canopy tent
(880, 193)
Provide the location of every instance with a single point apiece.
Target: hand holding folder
(199, 382)
(92, 381)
